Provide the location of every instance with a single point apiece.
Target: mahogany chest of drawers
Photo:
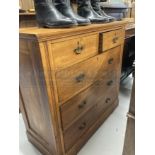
(69, 83)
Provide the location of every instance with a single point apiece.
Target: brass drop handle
(107, 100)
(82, 104)
(109, 83)
(79, 48)
(81, 127)
(114, 40)
(110, 61)
(80, 78)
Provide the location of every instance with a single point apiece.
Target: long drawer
(78, 77)
(75, 107)
(77, 129)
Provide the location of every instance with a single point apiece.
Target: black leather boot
(64, 6)
(85, 10)
(96, 6)
(48, 16)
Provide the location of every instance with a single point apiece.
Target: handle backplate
(79, 48)
(81, 127)
(80, 77)
(109, 83)
(82, 104)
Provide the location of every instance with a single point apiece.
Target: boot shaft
(84, 3)
(65, 7)
(64, 2)
(96, 5)
(48, 16)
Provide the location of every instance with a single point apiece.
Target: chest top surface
(44, 34)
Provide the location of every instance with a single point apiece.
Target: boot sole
(65, 26)
(58, 26)
(84, 24)
(100, 22)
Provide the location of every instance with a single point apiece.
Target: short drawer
(75, 107)
(69, 52)
(112, 39)
(72, 80)
(73, 134)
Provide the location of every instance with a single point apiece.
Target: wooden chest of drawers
(69, 83)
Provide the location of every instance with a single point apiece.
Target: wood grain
(34, 95)
(129, 143)
(112, 39)
(129, 147)
(84, 138)
(75, 78)
(54, 82)
(43, 34)
(73, 51)
(132, 102)
(85, 122)
(27, 20)
(78, 77)
(75, 107)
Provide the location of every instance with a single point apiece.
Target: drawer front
(112, 39)
(75, 107)
(72, 80)
(77, 77)
(72, 51)
(109, 61)
(110, 96)
(77, 129)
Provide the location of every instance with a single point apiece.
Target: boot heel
(40, 25)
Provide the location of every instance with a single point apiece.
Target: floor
(109, 138)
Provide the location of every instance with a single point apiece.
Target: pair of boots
(58, 13)
(91, 9)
